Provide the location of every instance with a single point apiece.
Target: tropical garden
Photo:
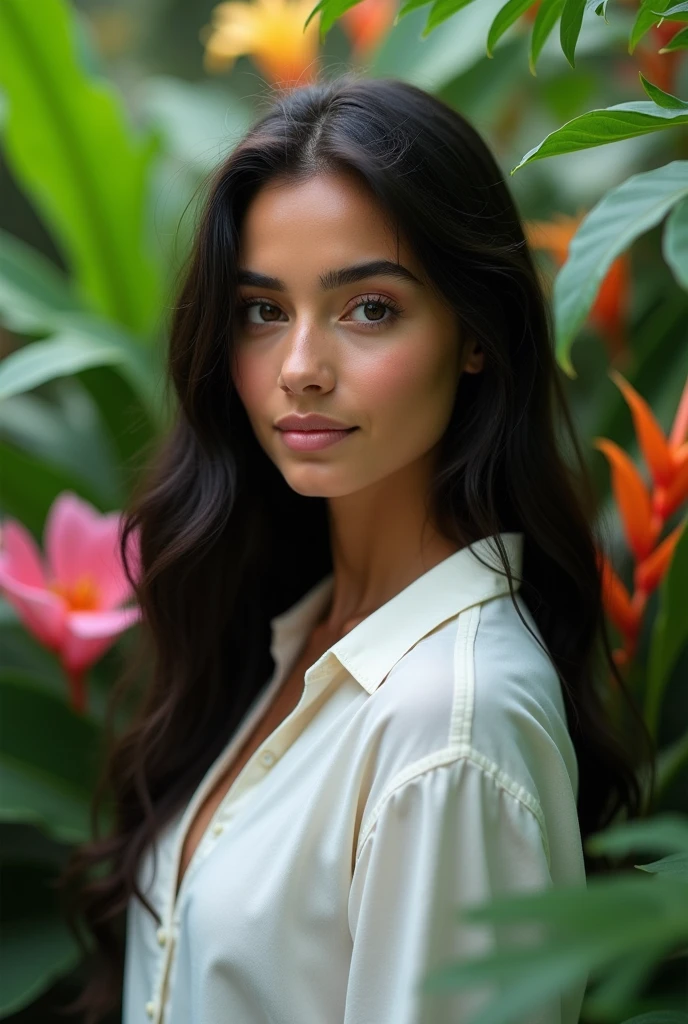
(112, 114)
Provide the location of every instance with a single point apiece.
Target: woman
(371, 588)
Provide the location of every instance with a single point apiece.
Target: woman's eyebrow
(335, 278)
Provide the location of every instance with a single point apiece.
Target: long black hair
(223, 537)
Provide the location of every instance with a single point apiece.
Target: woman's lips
(313, 440)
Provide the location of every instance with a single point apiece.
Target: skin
(305, 349)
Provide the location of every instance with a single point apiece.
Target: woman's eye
(262, 308)
(374, 310)
(377, 311)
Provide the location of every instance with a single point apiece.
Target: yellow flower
(270, 31)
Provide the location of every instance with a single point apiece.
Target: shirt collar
(370, 650)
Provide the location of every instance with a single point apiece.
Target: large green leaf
(33, 291)
(30, 484)
(36, 947)
(69, 146)
(600, 929)
(663, 833)
(80, 344)
(675, 242)
(599, 127)
(670, 632)
(67, 434)
(609, 228)
(48, 760)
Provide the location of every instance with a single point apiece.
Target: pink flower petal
(90, 634)
(94, 625)
(20, 555)
(78, 654)
(42, 612)
(102, 556)
(69, 526)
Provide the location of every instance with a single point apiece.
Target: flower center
(81, 596)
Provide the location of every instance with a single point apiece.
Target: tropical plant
(109, 175)
(612, 932)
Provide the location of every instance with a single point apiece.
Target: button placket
(318, 674)
(155, 1007)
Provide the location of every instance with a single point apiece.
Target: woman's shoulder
(478, 687)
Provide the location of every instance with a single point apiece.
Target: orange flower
(666, 457)
(650, 572)
(622, 610)
(610, 309)
(367, 23)
(632, 498)
(270, 31)
(643, 511)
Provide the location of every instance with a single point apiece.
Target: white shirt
(329, 881)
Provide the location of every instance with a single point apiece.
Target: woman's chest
(284, 703)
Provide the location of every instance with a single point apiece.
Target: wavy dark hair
(222, 536)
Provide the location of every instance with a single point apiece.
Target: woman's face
(379, 352)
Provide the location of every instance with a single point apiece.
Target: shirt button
(161, 936)
(268, 758)
(218, 828)
(150, 1009)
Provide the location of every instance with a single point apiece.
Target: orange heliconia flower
(666, 457)
(619, 605)
(651, 570)
(270, 31)
(632, 497)
(644, 510)
(367, 23)
(610, 309)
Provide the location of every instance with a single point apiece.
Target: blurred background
(112, 114)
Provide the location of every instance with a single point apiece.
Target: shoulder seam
(446, 758)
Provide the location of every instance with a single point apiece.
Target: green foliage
(547, 16)
(80, 399)
(678, 42)
(670, 634)
(35, 946)
(675, 242)
(510, 13)
(621, 216)
(571, 21)
(600, 127)
(612, 931)
(94, 198)
(648, 15)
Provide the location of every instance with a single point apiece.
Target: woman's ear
(475, 360)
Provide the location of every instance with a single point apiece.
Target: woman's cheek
(401, 382)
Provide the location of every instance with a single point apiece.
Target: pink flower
(71, 603)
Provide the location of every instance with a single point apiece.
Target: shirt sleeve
(447, 838)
